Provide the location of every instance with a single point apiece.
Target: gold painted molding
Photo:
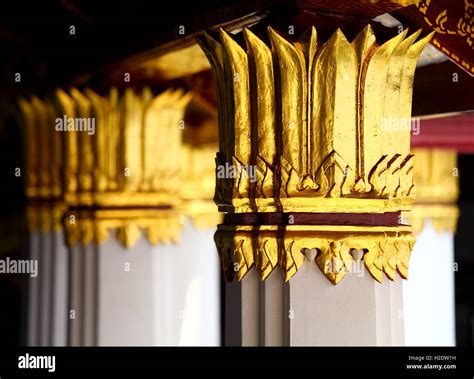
(436, 176)
(158, 225)
(386, 249)
(443, 217)
(198, 186)
(45, 217)
(198, 171)
(321, 122)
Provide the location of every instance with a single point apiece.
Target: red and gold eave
(453, 23)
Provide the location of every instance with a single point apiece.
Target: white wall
(429, 292)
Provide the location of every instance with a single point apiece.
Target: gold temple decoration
(437, 182)
(114, 163)
(324, 127)
(125, 174)
(43, 166)
(453, 24)
(198, 153)
(45, 217)
(198, 185)
(387, 249)
(87, 226)
(130, 159)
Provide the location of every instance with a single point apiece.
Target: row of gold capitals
(437, 181)
(316, 120)
(114, 163)
(325, 126)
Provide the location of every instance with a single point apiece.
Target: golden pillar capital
(127, 154)
(310, 127)
(45, 216)
(42, 165)
(160, 226)
(42, 149)
(124, 176)
(437, 189)
(198, 185)
(105, 163)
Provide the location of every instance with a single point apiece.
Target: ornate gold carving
(386, 249)
(116, 174)
(43, 166)
(198, 171)
(198, 185)
(327, 128)
(436, 175)
(437, 181)
(131, 159)
(159, 226)
(45, 217)
(443, 217)
(315, 120)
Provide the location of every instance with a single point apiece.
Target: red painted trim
(453, 132)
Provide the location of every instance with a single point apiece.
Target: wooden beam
(442, 88)
(453, 132)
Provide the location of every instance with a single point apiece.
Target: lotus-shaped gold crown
(326, 126)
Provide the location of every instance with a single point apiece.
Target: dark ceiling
(36, 41)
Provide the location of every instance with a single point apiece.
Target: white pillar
(429, 292)
(48, 297)
(359, 311)
(125, 314)
(146, 295)
(75, 304)
(242, 310)
(45, 275)
(33, 292)
(310, 311)
(187, 290)
(60, 286)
